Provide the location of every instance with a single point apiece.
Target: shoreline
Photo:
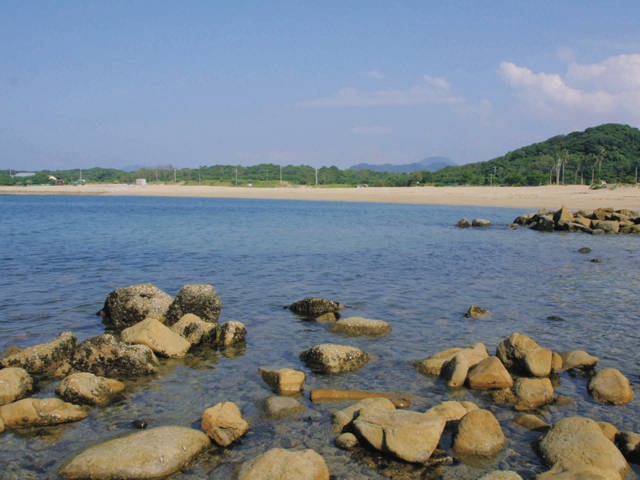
(549, 196)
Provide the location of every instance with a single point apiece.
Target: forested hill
(607, 153)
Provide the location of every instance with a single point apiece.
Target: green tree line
(606, 153)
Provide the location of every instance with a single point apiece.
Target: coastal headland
(548, 196)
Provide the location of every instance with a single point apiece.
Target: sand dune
(529, 198)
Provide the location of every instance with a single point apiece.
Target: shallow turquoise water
(405, 264)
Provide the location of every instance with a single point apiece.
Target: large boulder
(282, 464)
(331, 358)
(104, 355)
(520, 354)
(194, 329)
(38, 412)
(127, 306)
(15, 383)
(284, 381)
(410, 436)
(312, 307)
(610, 386)
(223, 423)
(90, 389)
(575, 442)
(490, 373)
(44, 358)
(200, 299)
(158, 337)
(360, 326)
(479, 435)
(147, 454)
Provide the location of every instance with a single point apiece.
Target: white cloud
(436, 90)
(371, 130)
(607, 91)
(375, 74)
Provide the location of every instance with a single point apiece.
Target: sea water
(406, 264)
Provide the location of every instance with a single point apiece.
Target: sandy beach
(528, 198)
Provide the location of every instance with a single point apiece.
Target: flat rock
(479, 434)
(501, 475)
(223, 423)
(200, 299)
(104, 355)
(158, 337)
(332, 358)
(452, 410)
(280, 407)
(531, 422)
(147, 454)
(194, 329)
(410, 436)
(15, 383)
(360, 326)
(44, 358)
(37, 412)
(575, 442)
(342, 418)
(127, 306)
(87, 388)
(282, 464)
(284, 381)
(610, 386)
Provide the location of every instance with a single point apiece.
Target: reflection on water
(405, 264)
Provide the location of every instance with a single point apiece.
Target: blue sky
(120, 83)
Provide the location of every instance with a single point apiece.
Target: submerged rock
(282, 464)
(331, 358)
(312, 307)
(360, 326)
(87, 388)
(148, 454)
(127, 306)
(44, 358)
(15, 383)
(476, 311)
(105, 356)
(37, 412)
(200, 299)
(280, 407)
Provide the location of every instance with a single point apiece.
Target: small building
(59, 181)
(141, 181)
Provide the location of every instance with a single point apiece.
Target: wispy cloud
(371, 130)
(375, 74)
(609, 89)
(432, 90)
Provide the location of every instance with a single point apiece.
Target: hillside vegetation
(607, 153)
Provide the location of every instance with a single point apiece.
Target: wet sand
(531, 198)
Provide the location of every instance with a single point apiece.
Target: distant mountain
(430, 164)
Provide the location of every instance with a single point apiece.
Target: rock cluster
(600, 220)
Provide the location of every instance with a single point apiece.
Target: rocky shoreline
(144, 326)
